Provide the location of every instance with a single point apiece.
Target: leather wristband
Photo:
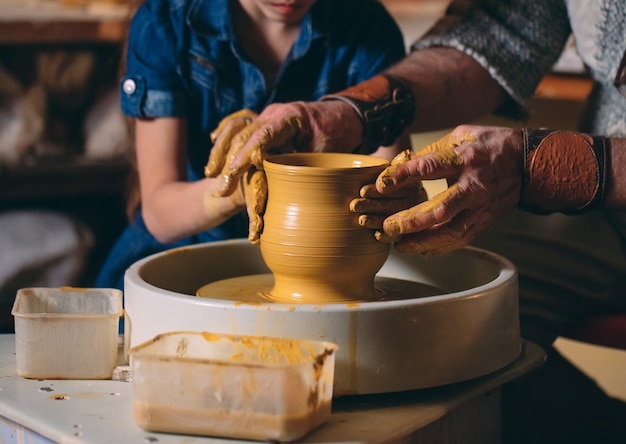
(385, 106)
(564, 171)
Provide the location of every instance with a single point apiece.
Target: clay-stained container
(67, 332)
(245, 387)
(311, 241)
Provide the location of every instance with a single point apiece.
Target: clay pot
(311, 241)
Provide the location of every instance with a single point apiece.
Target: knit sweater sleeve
(517, 41)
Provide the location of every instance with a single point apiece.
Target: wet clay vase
(311, 241)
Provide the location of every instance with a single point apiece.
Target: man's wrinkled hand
(482, 166)
(374, 207)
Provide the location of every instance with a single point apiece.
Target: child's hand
(223, 137)
(281, 128)
(253, 184)
(255, 190)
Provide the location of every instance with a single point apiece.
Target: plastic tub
(66, 333)
(244, 387)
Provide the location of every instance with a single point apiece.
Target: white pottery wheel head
(386, 346)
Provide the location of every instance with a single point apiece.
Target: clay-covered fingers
(255, 190)
(379, 201)
(372, 200)
(439, 239)
(290, 131)
(375, 207)
(242, 114)
(437, 211)
(450, 140)
(237, 150)
(253, 143)
(434, 161)
(482, 168)
(222, 138)
(385, 180)
(269, 137)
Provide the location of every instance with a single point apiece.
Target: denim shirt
(184, 60)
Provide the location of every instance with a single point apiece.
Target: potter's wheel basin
(470, 330)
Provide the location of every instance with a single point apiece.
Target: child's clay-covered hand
(252, 183)
(241, 141)
(255, 190)
(226, 138)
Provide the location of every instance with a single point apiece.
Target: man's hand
(483, 168)
(375, 207)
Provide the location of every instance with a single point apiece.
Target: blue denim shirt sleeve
(151, 85)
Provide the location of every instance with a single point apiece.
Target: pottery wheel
(256, 289)
(469, 329)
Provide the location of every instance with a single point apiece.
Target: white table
(73, 411)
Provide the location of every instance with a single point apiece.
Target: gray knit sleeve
(517, 41)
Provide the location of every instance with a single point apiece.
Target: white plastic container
(244, 387)
(66, 333)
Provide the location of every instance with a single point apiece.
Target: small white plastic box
(246, 387)
(67, 332)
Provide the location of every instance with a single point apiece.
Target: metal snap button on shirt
(129, 86)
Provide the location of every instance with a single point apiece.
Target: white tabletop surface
(102, 411)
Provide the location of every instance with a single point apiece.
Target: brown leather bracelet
(564, 171)
(385, 106)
